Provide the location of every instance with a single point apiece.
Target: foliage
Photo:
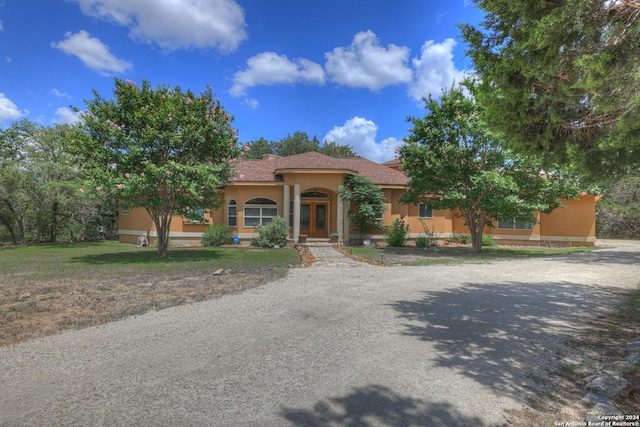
(455, 163)
(396, 234)
(43, 193)
(618, 213)
(216, 235)
(161, 149)
(273, 234)
(368, 200)
(488, 241)
(463, 238)
(422, 242)
(562, 79)
(297, 143)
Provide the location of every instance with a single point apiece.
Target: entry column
(296, 212)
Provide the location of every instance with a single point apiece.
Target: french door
(314, 219)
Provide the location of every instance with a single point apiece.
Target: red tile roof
(270, 170)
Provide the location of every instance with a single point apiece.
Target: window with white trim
(232, 213)
(259, 210)
(424, 211)
(513, 224)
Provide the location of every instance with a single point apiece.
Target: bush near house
(273, 234)
(216, 235)
(396, 235)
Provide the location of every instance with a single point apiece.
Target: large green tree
(161, 149)
(41, 189)
(454, 163)
(562, 78)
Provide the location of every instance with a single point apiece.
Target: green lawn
(412, 256)
(118, 260)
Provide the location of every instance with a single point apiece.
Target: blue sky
(349, 71)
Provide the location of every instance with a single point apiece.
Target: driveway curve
(362, 346)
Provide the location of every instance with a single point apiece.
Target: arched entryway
(314, 213)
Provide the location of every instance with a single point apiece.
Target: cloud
(361, 135)
(59, 94)
(65, 115)
(9, 110)
(1, 27)
(434, 69)
(366, 64)
(92, 52)
(269, 68)
(175, 24)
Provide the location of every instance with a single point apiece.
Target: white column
(286, 200)
(340, 216)
(296, 212)
(345, 218)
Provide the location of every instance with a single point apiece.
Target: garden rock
(609, 385)
(594, 399)
(633, 358)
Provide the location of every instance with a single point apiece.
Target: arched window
(232, 213)
(259, 210)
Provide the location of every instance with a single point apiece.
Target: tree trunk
(163, 224)
(53, 236)
(6, 221)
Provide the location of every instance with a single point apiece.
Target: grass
(119, 261)
(412, 256)
(45, 289)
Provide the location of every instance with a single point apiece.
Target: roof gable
(270, 170)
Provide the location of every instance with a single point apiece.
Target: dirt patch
(42, 308)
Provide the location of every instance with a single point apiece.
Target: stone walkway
(327, 256)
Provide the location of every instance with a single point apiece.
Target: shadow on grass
(147, 256)
(377, 405)
(504, 336)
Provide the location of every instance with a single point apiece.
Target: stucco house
(303, 189)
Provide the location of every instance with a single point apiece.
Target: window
(513, 224)
(125, 211)
(196, 214)
(424, 211)
(314, 195)
(259, 211)
(232, 213)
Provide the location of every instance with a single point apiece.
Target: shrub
(488, 241)
(422, 242)
(396, 235)
(216, 235)
(273, 234)
(464, 238)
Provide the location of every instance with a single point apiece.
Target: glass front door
(313, 219)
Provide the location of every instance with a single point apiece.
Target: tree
(334, 150)
(562, 78)
(259, 148)
(618, 213)
(40, 187)
(297, 143)
(368, 199)
(161, 149)
(454, 163)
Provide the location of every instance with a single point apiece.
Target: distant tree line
(44, 195)
(297, 143)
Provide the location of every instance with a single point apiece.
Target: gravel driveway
(358, 346)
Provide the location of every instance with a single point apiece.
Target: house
(303, 189)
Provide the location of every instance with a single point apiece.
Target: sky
(349, 71)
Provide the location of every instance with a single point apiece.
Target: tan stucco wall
(575, 223)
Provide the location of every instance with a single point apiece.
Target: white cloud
(1, 27)
(92, 52)
(367, 64)
(59, 94)
(269, 68)
(65, 115)
(9, 60)
(175, 24)
(361, 135)
(9, 110)
(434, 69)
